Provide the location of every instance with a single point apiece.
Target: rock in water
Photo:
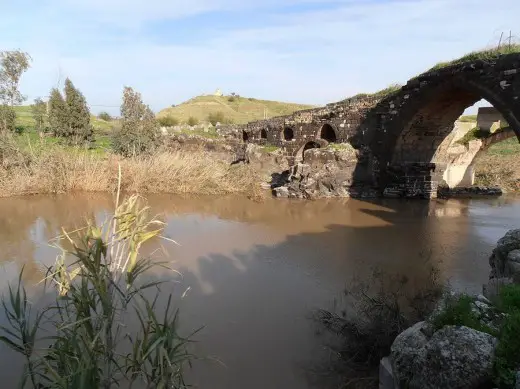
(456, 358)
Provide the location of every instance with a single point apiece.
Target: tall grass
(53, 169)
(96, 286)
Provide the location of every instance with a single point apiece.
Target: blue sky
(306, 51)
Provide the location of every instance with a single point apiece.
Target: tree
(58, 116)
(79, 127)
(216, 117)
(12, 65)
(105, 116)
(39, 112)
(139, 132)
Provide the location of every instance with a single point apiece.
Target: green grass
(239, 110)
(25, 120)
(468, 118)
(391, 89)
(483, 55)
(507, 147)
(269, 148)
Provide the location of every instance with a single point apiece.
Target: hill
(235, 109)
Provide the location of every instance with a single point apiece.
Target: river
(254, 272)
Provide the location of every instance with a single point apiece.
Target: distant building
(489, 119)
(218, 93)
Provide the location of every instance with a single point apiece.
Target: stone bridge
(402, 138)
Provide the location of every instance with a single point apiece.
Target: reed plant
(81, 340)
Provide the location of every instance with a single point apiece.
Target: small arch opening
(300, 155)
(245, 136)
(327, 133)
(263, 134)
(288, 133)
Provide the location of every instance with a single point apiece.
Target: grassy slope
(241, 110)
(24, 118)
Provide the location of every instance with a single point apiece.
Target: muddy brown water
(256, 271)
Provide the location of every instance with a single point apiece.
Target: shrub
(458, 311)
(79, 128)
(105, 116)
(231, 99)
(216, 117)
(139, 131)
(93, 294)
(382, 307)
(39, 112)
(168, 121)
(193, 121)
(507, 353)
(7, 119)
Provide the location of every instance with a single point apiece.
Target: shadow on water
(255, 272)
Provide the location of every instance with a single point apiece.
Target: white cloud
(309, 56)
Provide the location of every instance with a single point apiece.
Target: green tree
(12, 66)
(139, 132)
(39, 112)
(216, 117)
(79, 127)
(105, 116)
(57, 114)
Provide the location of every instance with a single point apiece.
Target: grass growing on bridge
(482, 55)
(379, 94)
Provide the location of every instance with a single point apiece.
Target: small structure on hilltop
(489, 119)
(218, 93)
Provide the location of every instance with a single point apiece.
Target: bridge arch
(414, 129)
(328, 133)
(300, 154)
(288, 133)
(245, 136)
(263, 133)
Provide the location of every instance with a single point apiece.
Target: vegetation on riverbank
(458, 311)
(49, 168)
(373, 314)
(76, 341)
(498, 166)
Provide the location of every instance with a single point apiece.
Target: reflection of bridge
(402, 138)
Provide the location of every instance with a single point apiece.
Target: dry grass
(498, 170)
(56, 170)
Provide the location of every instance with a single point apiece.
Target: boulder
(500, 258)
(492, 288)
(456, 358)
(405, 351)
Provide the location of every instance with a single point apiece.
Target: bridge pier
(413, 180)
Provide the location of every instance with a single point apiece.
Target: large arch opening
(433, 147)
(263, 134)
(328, 133)
(288, 133)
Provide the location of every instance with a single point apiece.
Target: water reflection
(255, 270)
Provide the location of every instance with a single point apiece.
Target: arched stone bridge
(403, 138)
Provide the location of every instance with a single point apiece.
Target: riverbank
(56, 169)
(498, 166)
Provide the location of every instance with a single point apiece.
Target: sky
(304, 51)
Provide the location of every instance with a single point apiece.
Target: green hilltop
(235, 109)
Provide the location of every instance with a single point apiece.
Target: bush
(105, 116)
(7, 119)
(139, 132)
(216, 117)
(231, 99)
(93, 294)
(168, 121)
(458, 311)
(382, 308)
(193, 121)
